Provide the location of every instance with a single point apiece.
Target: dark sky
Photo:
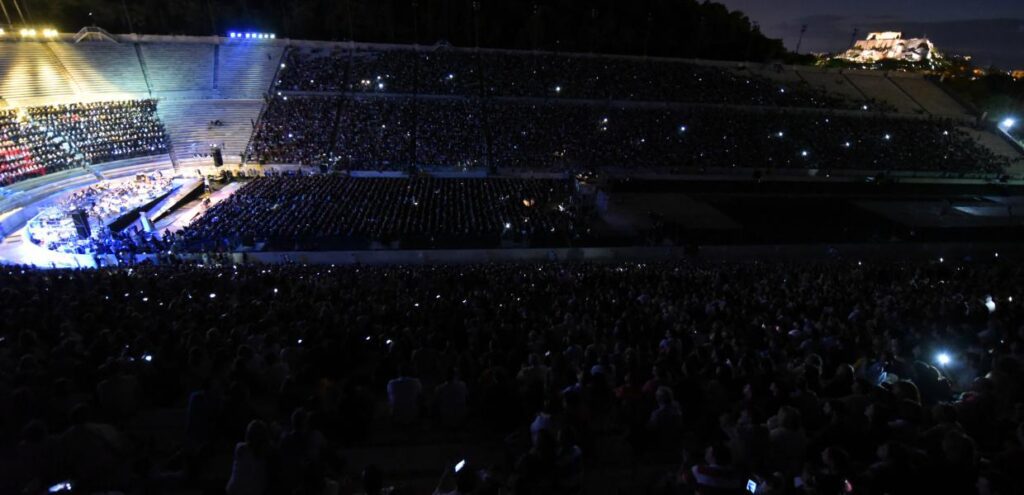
(990, 30)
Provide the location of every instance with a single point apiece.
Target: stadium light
(2, 32)
(1008, 123)
(49, 33)
(28, 33)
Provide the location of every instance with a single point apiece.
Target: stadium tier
(391, 107)
(399, 132)
(39, 140)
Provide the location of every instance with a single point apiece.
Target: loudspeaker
(81, 219)
(218, 158)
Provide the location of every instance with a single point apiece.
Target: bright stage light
(1008, 123)
(943, 359)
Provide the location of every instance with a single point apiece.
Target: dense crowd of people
(822, 378)
(28, 150)
(47, 139)
(447, 71)
(387, 210)
(399, 132)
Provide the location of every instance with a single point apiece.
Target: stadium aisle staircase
(930, 96)
(28, 70)
(189, 124)
(102, 67)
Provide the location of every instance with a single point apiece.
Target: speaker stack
(81, 219)
(218, 157)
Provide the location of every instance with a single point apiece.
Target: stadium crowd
(821, 378)
(28, 150)
(399, 132)
(51, 138)
(107, 130)
(445, 71)
(388, 210)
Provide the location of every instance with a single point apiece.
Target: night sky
(990, 30)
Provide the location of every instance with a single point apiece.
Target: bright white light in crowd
(213, 296)
(865, 107)
(298, 341)
(990, 304)
(388, 342)
(943, 359)
(682, 128)
(888, 137)
(147, 358)
(945, 133)
(782, 90)
(558, 89)
(847, 144)
(1007, 123)
(282, 66)
(380, 85)
(272, 36)
(1009, 299)
(803, 153)
(367, 338)
(780, 134)
(997, 254)
(451, 76)
(508, 225)
(275, 290)
(942, 260)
